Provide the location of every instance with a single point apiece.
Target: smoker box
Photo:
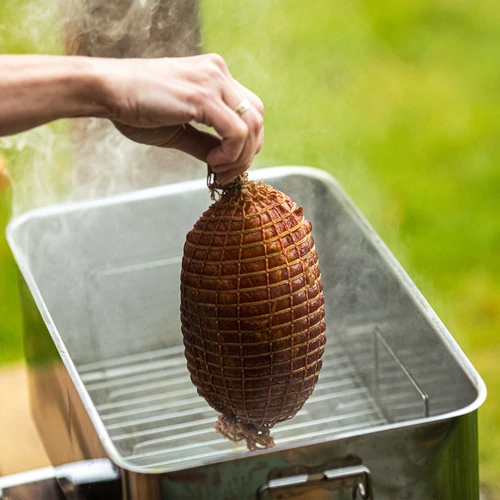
(394, 413)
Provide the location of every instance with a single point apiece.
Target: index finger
(253, 98)
(232, 130)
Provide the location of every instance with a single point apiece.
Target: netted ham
(252, 310)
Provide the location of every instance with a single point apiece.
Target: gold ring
(242, 107)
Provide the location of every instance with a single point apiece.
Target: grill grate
(155, 417)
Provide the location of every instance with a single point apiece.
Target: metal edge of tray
(186, 186)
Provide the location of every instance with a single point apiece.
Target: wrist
(38, 89)
(86, 77)
(106, 77)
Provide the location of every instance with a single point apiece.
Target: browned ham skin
(252, 310)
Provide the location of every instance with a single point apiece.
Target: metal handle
(86, 480)
(38, 483)
(356, 478)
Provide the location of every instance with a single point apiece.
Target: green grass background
(400, 101)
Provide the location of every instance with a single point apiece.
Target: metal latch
(357, 479)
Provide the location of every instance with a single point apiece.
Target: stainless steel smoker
(393, 416)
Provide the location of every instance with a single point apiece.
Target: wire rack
(155, 417)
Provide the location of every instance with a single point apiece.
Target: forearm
(151, 101)
(39, 89)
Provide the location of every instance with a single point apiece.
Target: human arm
(151, 101)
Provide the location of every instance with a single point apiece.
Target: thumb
(185, 138)
(193, 141)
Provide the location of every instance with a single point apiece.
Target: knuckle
(259, 106)
(203, 94)
(258, 123)
(241, 131)
(191, 94)
(217, 61)
(196, 98)
(200, 95)
(215, 67)
(210, 70)
(232, 156)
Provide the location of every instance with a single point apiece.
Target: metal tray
(396, 394)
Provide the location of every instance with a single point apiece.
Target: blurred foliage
(10, 321)
(400, 102)
(26, 27)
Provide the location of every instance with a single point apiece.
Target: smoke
(30, 27)
(88, 158)
(36, 170)
(104, 162)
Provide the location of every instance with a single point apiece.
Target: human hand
(154, 101)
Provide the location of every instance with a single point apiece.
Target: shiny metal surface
(87, 480)
(108, 378)
(155, 417)
(25, 478)
(355, 482)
